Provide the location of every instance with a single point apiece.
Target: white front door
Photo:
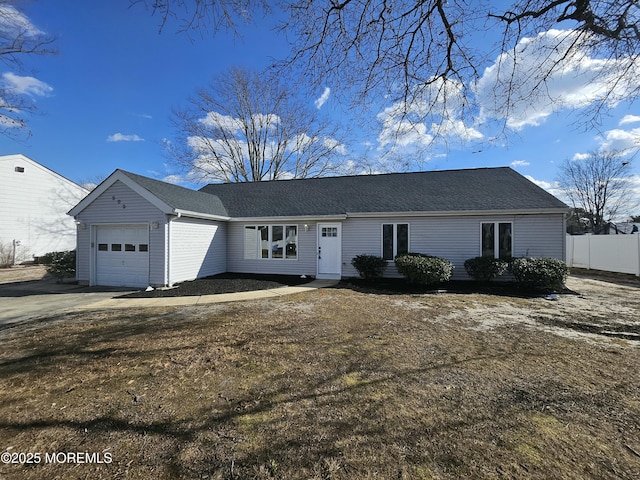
(122, 255)
(329, 251)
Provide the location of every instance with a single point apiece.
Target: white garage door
(122, 256)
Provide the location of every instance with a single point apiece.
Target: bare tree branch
(246, 127)
(18, 38)
(600, 186)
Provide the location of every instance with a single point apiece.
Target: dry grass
(331, 384)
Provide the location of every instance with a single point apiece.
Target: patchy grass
(332, 384)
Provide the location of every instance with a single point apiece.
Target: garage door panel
(122, 256)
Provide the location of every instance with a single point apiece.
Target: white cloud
(8, 122)
(520, 163)
(552, 187)
(403, 133)
(26, 85)
(175, 179)
(13, 22)
(508, 89)
(319, 102)
(581, 156)
(119, 137)
(621, 140)
(629, 119)
(403, 123)
(334, 145)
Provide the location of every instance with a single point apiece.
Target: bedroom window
(271, 242)
(497, 239)
(395, 239)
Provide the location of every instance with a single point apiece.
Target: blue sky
(104, 101)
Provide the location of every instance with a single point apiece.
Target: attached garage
(122, 255)
(135, 232)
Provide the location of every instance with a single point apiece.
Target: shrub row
(532, 273)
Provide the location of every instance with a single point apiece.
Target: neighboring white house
(33, 205)
(136, 231)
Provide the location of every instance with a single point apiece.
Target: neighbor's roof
(469, 190)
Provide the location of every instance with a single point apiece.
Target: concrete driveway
(28, 300)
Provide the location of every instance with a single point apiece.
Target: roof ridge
(364, 175)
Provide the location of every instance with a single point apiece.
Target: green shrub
(539, 273)
(484, 269)
(370, 267)
(423, 269)
(61, 264)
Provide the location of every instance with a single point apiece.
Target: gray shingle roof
(481, 189)
(180, 198)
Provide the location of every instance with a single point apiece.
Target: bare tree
(421, 52)
(18, 37)
(246, 127)
(205, 15)
(599, 186)
(430, 57)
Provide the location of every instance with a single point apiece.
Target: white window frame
(257, 255)
(496, 237)
(395, 238)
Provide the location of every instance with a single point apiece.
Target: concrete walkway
(30, 300)
(205, 299)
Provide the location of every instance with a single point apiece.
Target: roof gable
(169, 198)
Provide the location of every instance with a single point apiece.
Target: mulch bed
(241, 282)
(223, 283)
(401, 286)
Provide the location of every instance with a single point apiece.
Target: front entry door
(329, 251)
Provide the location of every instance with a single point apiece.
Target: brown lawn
(332, 384)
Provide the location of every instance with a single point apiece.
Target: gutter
(187, 213)
(454, 213)
(292, 218)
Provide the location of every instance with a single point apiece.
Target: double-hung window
(497, 239)
(395, 239)
(271, 242)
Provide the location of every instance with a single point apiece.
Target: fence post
(588, 251)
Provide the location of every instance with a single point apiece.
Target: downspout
(167, 256)
(170, 218)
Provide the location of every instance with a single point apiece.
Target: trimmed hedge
(60, 264)
(484, 269)
(423, 269)
(539, 273)
(370, 267)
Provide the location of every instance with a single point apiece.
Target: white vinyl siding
(455, 238)
(34, 202)
(198, 249)
(121, 205)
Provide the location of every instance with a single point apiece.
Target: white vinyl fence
(613, 253)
